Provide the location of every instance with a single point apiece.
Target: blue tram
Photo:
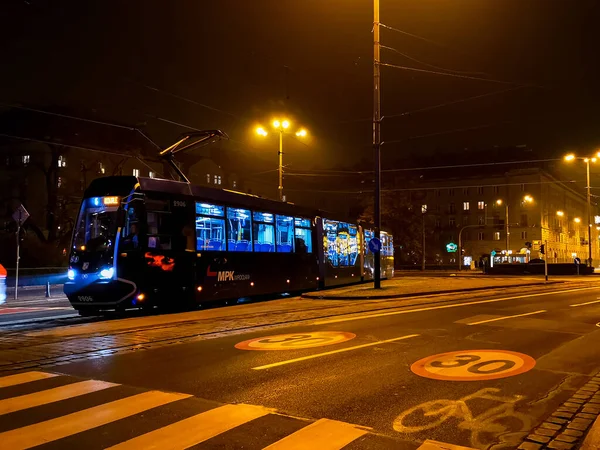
(145, 242)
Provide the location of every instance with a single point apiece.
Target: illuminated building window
(217, 179)
(496, 235)
(466, 206)
(423, 209)
(136, 172)
(523, 234)
(101, 168)
(58, 182)
(62, 161)
(25, 159)
(151, 174)
(234, 183)
(480, 205)
(208, 178)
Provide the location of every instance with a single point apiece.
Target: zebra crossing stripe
(324, 434)
(56, 394)
(70, 424)
(20, 378)
(196, 429)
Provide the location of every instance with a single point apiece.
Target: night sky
(312, 60)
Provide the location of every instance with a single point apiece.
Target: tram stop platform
(414, 286)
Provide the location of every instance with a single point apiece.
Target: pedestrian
(3, 275)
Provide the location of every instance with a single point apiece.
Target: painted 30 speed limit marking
(473, 365)
(296, 341)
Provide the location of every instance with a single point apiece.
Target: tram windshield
(97, 224)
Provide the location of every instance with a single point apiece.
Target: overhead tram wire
(370, 191)
(97, 122)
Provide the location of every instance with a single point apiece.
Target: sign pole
(18, 257)
(546, 261)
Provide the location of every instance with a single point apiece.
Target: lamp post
(377, 140)
(499, 202)
(280, 126)
(571, 157)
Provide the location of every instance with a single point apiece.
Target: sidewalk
(410, 286)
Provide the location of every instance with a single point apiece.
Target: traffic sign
(375, 245)
(473, 365)
(296, 341)
(20, 215)
(451, 247)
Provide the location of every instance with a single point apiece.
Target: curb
(568, 424)
(314, 296)
(592, 441)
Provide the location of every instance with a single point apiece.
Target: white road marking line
(324, 434)
(87, 419)
(586, 303)
(56, 394)
(318, 355)
(507, 317)
(196, 429)
(455, 305)
(26, 377)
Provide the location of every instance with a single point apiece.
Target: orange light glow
(560, 213)
(287, 281)
(577, 220)
(199, 288)
(252, 283)
(82, 248)
(141, 297)
(570, 157)
(110, 201)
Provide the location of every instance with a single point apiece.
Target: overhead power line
(431, 65)
(188, 100)
(454, 75)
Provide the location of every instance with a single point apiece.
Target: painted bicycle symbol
(500, 421)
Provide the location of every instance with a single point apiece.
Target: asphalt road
(351, 388)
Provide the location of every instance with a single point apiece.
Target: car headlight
(107, 273)
(71, 274)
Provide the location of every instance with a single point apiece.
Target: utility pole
(18, 256)
(507, 232)
(423, 211)
(280, 165)
(589, 213)
(377, 140)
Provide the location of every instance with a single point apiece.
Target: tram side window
(239, 237)
(263, 232)
(387, 245)
(210, 231)
(303, 236)
(159, 224)
(330, 241)
(285, 234)
(352, 244)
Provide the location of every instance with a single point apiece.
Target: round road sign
(473, 365)
(296, 341)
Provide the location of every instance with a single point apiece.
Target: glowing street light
(571, 157)
(261, 131)
(281, 126)
(528, 199)
(560, 213)
(577, 220)
(499, 202)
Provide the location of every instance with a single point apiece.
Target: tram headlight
(107, 273)
(71, 274)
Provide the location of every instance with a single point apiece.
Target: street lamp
(280, 126)
(571, 157)
(560, 213)
(499, 202)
